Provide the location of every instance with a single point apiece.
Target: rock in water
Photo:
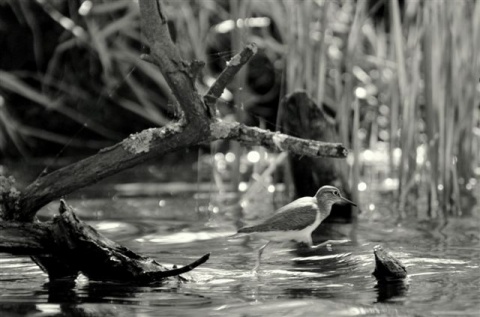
(387, 267)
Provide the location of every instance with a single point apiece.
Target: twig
(233, 67)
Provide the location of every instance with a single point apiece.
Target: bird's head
(330, 195)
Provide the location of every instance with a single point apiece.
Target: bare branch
(275, 140)
(179, 74)
(233, 67)
(149, 144)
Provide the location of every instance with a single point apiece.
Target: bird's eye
(336, 193)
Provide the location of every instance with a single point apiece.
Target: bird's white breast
(307, 232)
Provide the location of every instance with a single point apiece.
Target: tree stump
(301, 117)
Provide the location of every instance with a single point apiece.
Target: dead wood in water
(387, 267)
(198, 125)
(390, 274)
(80, 248)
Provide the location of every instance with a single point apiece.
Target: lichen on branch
(140, 142)
(275, 140)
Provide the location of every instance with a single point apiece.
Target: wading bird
(296, 220)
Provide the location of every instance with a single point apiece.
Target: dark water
(443, 262)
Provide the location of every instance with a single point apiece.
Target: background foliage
(399, 78)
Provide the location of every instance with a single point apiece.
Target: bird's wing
(298, 203)
(296, 218)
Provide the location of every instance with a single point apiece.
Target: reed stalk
(421, 59)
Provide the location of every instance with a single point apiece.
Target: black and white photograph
(297, 158)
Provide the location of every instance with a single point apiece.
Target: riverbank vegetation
(399, 79)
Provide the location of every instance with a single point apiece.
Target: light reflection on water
(444, 275)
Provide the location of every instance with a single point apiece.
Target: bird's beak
(346, 201)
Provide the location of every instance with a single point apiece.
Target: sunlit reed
(406, 82)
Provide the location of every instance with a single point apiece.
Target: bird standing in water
(296, 220)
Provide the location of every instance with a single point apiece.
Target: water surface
(443, 263)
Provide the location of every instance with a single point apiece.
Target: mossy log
(82, 249)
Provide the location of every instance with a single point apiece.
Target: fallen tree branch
(149, 144)
(132, 151)
(83, 249)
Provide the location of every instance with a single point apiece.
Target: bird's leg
(259, 256)
(309, 241)
(329, 242)
(321, 244)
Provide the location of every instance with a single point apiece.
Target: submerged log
(302, 118)
(387, 267)
(81, 248)
(390, 274)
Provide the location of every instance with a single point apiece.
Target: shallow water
(443, 265)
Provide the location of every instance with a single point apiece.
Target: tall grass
(400, 77)
(94, 65)
(440, 48)
(424, 69)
